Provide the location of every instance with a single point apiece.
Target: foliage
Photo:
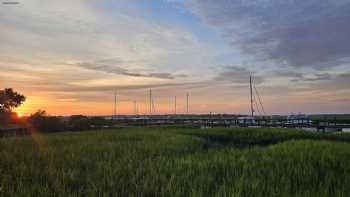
(44, 123)
(9, 118)
(331, 118)
(10, 99)
(161, 161)
(243, 137)
(78, 123)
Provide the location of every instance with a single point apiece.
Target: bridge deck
(302, 123)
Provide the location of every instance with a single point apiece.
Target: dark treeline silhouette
(40, 120)
(44, 123)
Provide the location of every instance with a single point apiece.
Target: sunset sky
(69, 56)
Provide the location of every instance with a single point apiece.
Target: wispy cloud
(236, 75)
(298, 33)
(298, 76)
(114, 67)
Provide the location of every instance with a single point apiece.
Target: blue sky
(72, 55)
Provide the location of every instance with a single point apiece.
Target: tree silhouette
(44, 123)
(10, 99)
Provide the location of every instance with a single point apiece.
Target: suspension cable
(259, 98)
(256, 105)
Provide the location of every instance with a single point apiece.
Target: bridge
(216, 121)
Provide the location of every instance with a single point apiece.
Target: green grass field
(174, 161)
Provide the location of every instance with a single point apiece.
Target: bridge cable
(153, 106)
(259, 98)
(256, 104)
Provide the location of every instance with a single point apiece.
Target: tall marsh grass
(161, 161)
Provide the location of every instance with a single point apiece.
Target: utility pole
(135, 108)
(175, 106)
(187, 103)
(115, 105)
(251, 96)
(150, 101)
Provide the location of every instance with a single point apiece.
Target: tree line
(40, 120)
